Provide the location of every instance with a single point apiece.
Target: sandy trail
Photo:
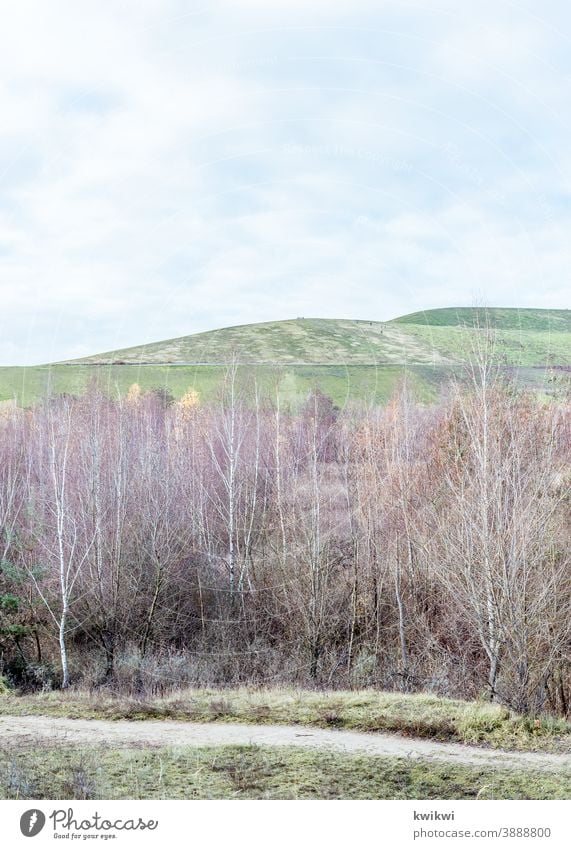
(31, 730)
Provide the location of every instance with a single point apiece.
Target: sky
(170, 167)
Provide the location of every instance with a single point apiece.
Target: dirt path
(30, 730)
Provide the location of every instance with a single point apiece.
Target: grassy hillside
(345, 358)
(436, 337)
(512, 347)
(553, 321)
(315, 341)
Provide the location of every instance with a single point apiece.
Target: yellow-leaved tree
(188, 403)
(133, 394)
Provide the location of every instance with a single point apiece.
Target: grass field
(252, 772)
(415, 715)
(519, 347)
(347, 360)
(295, 341)
(343, 384)
(373, 384)
(436, 337)
(550, 321)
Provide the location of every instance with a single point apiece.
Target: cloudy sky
(169, 166)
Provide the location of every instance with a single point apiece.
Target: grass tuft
(252, 772)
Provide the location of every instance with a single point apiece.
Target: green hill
(345, 358)
(523, 338)
(436, 337)
(301, 341)
(553, 321)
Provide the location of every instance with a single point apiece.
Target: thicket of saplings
(147, 544)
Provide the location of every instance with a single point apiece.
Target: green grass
(348, 360)
(520, 347)
(368, 383)
(348, 342)
(252, 772)
(503, 318)
(343, 384)
(296, 341)
(416, 715)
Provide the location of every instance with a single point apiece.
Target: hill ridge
(427, 337)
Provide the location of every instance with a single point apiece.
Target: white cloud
(166, 169)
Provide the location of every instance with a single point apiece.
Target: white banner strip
(261, 824)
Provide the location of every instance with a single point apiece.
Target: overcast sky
(168, 167)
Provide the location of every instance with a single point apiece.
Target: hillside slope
(435, 337)
(346, 359)
(301, 341)
(553, 321)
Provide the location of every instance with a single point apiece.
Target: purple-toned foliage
(151, 544)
